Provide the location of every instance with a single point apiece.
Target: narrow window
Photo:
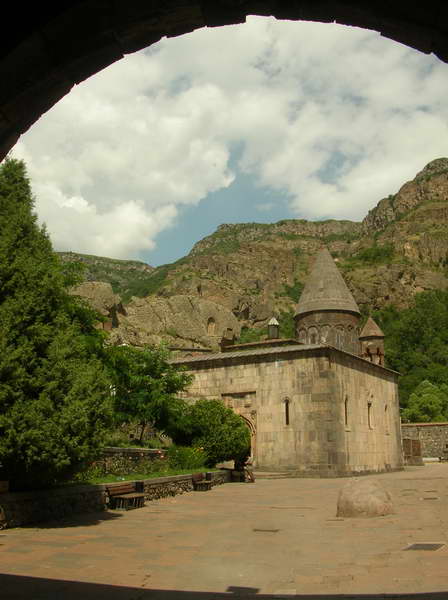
(369, 414)
(346, 411)
(211, 324)
(286, 411)
(386, 420)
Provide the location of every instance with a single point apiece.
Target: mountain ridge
(256, 270)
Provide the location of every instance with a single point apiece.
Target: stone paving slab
(272, 539)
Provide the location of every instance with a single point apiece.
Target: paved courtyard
(272, 539)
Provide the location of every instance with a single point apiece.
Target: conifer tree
(54, 391)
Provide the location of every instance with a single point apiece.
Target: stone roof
(249, 352)
(371, 329)
(325, 289)
(217, 357)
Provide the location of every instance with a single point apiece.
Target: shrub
(183, 457)
(375, 254)
(210, 425)
(292, 291)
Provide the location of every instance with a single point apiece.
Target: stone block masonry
(432, 436)
(313, 411)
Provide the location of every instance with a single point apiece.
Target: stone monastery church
(320, 405)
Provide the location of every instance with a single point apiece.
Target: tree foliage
(210, 425)
(145, 385)
(416, 341)
(427, 404)
(54, 391)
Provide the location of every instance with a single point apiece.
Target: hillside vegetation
(127, 277)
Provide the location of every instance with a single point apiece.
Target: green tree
(54, 391)
(210, 425)
(416, 341)
(146, 386)
(427, 404)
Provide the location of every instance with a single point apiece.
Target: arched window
(346, 411)
(211, 325)
(286, 401)
(369, 415)
(325, 334)
(313, 335)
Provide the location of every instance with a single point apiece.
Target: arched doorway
(253, 439)
(56, 46)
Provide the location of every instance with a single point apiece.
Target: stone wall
(338, 329)
(433, 437)
(26, 508)
(126, 460)
(294, 404)
(367, 414)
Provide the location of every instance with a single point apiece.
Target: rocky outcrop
(430, 184)
(101, 297)
(182, 321)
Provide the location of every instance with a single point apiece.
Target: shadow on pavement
(81, 520)
(16, 587)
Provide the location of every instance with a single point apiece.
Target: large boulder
(364, 498)
(180, 321)
(101, 297)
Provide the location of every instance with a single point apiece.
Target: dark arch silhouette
(46, 48)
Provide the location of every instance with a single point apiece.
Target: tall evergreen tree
(54, 391)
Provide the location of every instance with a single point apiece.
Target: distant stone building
(320, 405)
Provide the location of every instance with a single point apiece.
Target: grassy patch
(292, 291)
(139, 476)
(250, 334)
(341, 237)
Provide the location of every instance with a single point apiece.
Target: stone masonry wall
(294, 405)
(433, 437)
(126, 460)
(368, 414)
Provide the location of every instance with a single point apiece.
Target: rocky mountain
(255, 270)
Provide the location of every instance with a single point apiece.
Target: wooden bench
(124, 496)
(200, 483)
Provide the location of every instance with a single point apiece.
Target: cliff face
(180, 321)
(254, 270)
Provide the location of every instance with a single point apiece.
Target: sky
(262, 121)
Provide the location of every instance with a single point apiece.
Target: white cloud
(335, 117)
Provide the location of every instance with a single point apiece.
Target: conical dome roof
(371, 329)
(325, 288)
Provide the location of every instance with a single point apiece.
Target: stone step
(270, 475)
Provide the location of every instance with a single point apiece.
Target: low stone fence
(432, 436)
(26, 508)
(125, 460)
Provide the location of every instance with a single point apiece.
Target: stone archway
(253, 439)
(47, 48)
